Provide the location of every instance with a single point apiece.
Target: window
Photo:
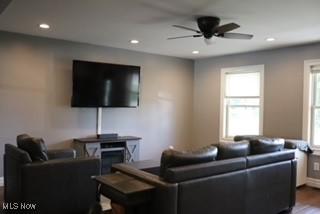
(241, 101)
(311, 115)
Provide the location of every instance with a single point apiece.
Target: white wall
(35, 91)
(283, 91)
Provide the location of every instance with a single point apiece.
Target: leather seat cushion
(34, 146)
(233, 150)
(172, 158)
(266, 145)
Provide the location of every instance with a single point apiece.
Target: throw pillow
(34, 146)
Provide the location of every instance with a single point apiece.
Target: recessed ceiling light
(44, 26)
(270, 39)
(195, 52)
(134, 41)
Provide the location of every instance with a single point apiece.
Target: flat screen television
(105, 85)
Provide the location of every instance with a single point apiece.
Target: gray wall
(35, 91)
(283, 91)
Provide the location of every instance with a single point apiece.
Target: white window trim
(307, 99)
(242, 69)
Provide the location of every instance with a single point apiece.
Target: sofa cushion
(233, 150)
(34, 146)
(266, 145)
(268, 158)
(172, 158)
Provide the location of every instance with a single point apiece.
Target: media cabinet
(110, 150)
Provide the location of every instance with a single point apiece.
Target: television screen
(105, 85)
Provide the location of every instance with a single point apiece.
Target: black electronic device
(105, 85)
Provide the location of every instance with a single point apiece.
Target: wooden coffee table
(128, 195)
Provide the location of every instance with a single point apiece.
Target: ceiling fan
(209, 27)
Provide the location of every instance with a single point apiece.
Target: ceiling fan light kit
(209, 27)
(209, 41)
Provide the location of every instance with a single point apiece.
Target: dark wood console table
(128, 195)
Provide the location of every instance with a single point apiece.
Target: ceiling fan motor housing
(207, 24)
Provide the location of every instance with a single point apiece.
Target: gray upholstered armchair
(59, 184)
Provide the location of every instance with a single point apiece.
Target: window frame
(308, 102)
(239, 70)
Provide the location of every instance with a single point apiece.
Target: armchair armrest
(61, 154)
(61, 186)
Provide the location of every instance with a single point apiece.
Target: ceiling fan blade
(181, 37)
(226, 28)
(236, 36)
(186, 28)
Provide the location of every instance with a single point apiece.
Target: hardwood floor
(308, 201)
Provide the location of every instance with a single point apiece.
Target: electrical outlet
(316, 166)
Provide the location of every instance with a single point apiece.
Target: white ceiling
(114, 22)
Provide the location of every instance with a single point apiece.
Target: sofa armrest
(61, 154)
(62, 186)
(165, 198)
(140, 174)
(302, 145)
(293, 183)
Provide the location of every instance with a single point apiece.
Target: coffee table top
(123, 184)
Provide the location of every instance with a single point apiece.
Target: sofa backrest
(14, 159)
(270, 188)
(203, 188)
(194, 171)
(262, 184)
(223, 194)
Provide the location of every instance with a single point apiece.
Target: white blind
(243, 84)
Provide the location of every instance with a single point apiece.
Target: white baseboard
(1, 182)
(313, 182)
